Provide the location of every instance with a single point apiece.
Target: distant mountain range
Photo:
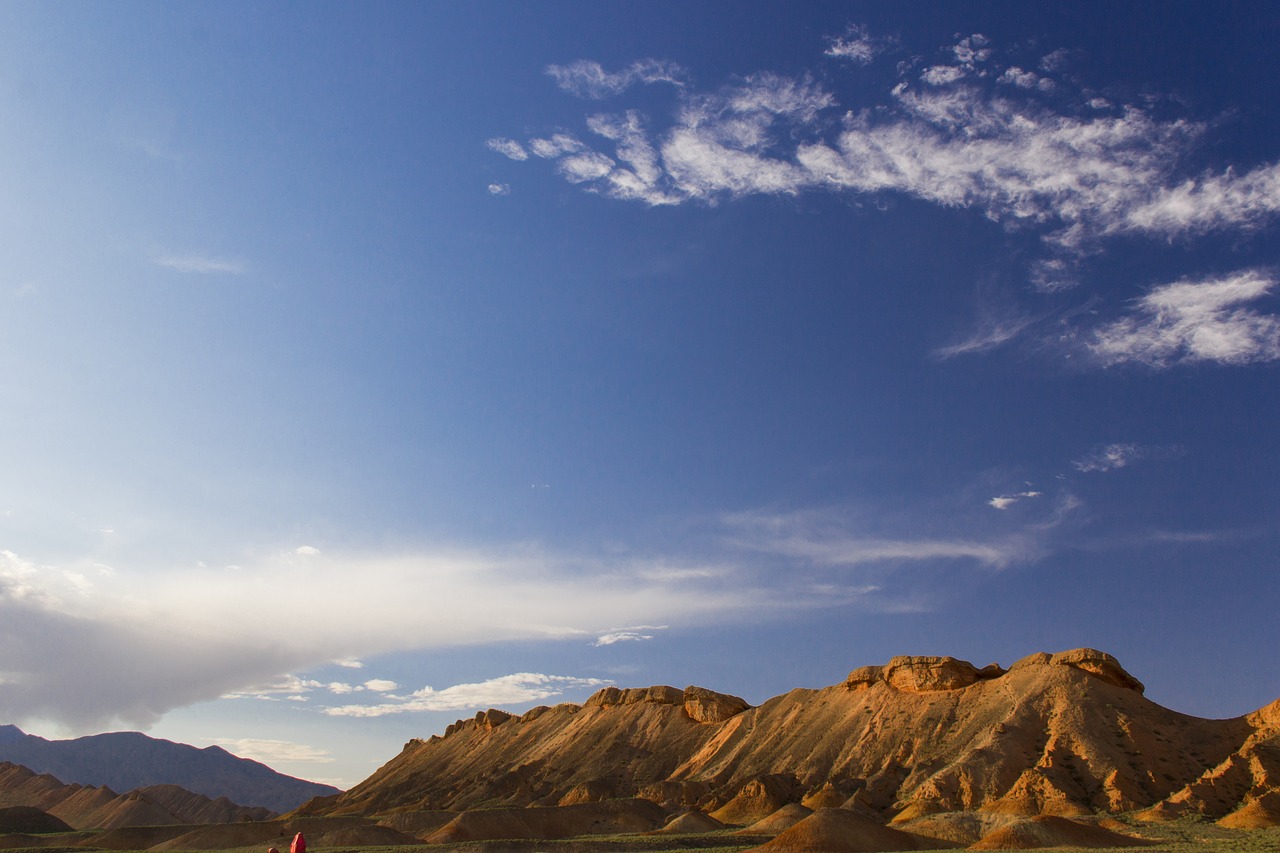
(124, 761)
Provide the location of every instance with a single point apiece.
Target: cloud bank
(128, 645)
(132, 645)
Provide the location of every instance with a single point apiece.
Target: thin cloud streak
(201, 264)
(273, 752)
(588, 79)
(816, 539)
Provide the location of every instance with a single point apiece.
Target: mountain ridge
(124, 761)
(1063, 734)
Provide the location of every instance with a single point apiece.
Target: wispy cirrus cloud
(588, 79)
(822, 538)
(1020, 143)
(859, 46)
(1194, 321)
(1210, 202)
(955, 135)
(201, 264)
(1109, 457)
(508, 148)
(520, 688)
(1006, 501)
(994, 329)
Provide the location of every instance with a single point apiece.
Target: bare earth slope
(101, 808)
(1064, 734)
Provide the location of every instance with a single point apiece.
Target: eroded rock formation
(1064, 734)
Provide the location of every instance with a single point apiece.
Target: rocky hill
(81, 807)
(1066, 734)
(125, 761)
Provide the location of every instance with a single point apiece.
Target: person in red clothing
(299, 844)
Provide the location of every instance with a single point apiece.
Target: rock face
(1064, 734)
(707, 706)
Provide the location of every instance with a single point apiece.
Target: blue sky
(366, 366)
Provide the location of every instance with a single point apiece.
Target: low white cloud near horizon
(509, 690)
(133, 645)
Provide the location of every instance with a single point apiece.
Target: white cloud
(499, 189)
(555, 146)
(1006, 501)
(941, 75)
(349, 663)
(1123, 454)
(1057, 60)
(972, 139)
(992, 332)
(627, 635)
(1109, 457)
(1209, 203)
(588, 166)
(378, 685)
(284, 685)
(201, 264)
(620, 637)
(306, 550)
(272, 752)
(520, 688)
(972, 50)
(823, 540)
(169, 638)
(507, 148)
(1194, 321)
(1025, 79)
(858, 45)
(588, 79)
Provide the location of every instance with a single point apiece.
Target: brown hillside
(778, 822)
(1049, 831)
(614, 817)
(101, 808)
(1063, 734)
(842, 831)
(30, 821)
